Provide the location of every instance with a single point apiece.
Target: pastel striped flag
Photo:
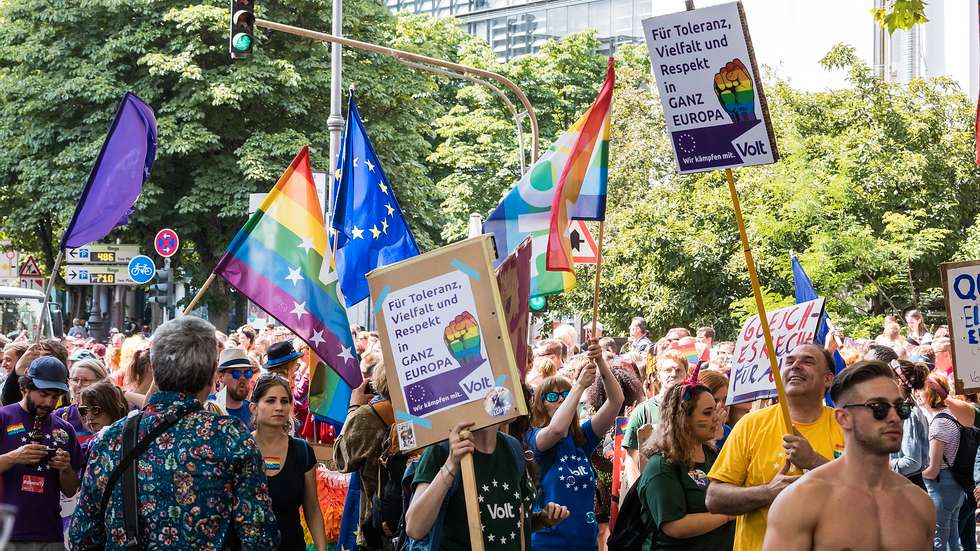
(526, 210)
(276, 259)
(591, 149)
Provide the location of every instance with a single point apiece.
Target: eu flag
(371, 231)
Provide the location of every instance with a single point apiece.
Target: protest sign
(961, 285)
(445, 342)
(710, 88)
(514, 282)
(751, 377)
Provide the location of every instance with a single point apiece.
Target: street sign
(141, 269)
(99, 253)
(94, 274)
(584, 249)
(30, 274)
(166, 242)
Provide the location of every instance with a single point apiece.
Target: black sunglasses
(553, 395)
(879, 410)
(85, 410)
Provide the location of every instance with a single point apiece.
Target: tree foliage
(900, 14)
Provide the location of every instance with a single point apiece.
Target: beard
(237, 392)
(873, 442)
(32, 408)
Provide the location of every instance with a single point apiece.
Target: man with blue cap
(39, 456)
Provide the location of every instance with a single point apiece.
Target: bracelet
(448, 472)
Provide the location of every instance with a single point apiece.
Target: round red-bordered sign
(166, 242)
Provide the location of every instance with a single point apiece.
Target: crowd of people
(196, 439)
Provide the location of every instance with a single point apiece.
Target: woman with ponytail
(913, 458)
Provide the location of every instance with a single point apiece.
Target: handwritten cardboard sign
(751, 376)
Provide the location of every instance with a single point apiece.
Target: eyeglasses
(879, 410)
(80, 381)
(238, 374)
(85, 411)
(553, 395)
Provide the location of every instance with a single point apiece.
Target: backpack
(966, 454)
(433, 539)
(630, 532)
(386, 503)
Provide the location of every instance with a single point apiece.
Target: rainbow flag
(526, 209)
(276, 260)
(590, 152)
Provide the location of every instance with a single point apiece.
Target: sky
(791, 36)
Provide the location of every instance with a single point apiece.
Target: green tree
(225, 130)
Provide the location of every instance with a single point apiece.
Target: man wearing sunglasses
(235, 373)
(866, 505)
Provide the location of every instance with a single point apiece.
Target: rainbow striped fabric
(589, 154)
(526, 210)
(276, 260)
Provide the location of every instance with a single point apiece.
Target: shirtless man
(864, 505)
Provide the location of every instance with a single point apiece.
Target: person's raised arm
(729, 499)
(557, 428)
(792, 520)
(427, 501)
(603, 419)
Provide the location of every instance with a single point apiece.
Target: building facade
(517, 27)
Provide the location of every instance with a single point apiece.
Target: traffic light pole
(401, 55)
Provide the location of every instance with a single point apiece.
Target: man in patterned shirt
(201, 484)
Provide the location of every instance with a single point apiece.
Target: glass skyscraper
(516, 27)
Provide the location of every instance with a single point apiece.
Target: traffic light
(539, 305)
(242, 35)
(162, 290)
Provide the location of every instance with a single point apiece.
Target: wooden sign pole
(472, 507)
(598, 270)
(760, 306)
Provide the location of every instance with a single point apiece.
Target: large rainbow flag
(590, 152)
(526, 210)
(275, 260)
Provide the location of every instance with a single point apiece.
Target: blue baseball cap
(48, 373)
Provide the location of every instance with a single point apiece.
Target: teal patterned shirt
(202, 479)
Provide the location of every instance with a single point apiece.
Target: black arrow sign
(72, 274)
(576, 240)
(72, 253)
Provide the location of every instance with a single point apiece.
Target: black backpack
(966, 454)
(630, 532)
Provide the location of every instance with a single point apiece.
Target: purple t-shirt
(35, 490)
(70, 413)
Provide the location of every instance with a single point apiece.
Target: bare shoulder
(799, 497)
(919, 500)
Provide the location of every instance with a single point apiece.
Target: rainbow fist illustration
(462, 337)
(733, 85)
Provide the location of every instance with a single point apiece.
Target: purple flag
(118, 175)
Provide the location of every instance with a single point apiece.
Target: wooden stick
(760, 306)
(200, 293)
(47, 291)
(598, 270)
(472, 507)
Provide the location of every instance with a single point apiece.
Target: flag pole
(598, 271)
(47, 291)
(200, 293)
(760, 306)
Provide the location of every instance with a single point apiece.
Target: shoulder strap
(170, 419)
(384, 412)
(130, 495)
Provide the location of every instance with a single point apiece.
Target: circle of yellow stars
(376, 231)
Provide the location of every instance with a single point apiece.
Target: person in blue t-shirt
(235, 372)
(562, 446)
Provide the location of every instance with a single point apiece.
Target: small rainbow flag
(15, 429)
(589, 154)
(276, 261)
(272, 463)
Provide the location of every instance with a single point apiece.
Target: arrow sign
(103, 253)
(584, 249)
(94, 274)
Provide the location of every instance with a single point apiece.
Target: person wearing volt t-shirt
(40, 456)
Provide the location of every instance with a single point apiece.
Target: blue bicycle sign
(142, 269)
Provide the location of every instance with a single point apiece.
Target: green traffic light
(242, 42)
(537, 303)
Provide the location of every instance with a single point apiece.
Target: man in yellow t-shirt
(759, 460)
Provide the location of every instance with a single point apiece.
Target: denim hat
(48, 373)
(280, 353)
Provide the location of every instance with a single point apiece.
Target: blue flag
(805, 291)
(117, 178)
(350, 518)
(371, 231)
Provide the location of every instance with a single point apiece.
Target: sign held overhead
(710, 89)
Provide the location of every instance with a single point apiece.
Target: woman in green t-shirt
(675, 482)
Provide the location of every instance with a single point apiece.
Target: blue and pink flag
(276, 260)
(117, 178)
